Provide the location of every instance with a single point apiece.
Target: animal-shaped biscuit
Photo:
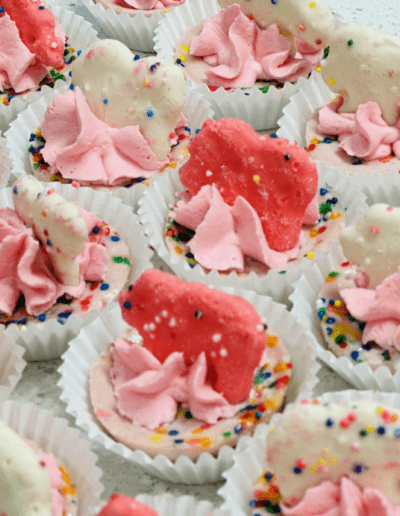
(364, 66)
(172, 315)
(122, 90)
(274, 176)
(24, 482)
(56, 222)
(374, 244)
(310, 21)
(38, 29)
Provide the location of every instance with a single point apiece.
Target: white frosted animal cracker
(310, 21)
(56, 222)
(374, 244)
(24, 482)
(364, 66)
(122, 90)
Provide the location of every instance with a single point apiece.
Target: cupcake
(330, 455)
(64, 262)
(189, 431)
(238, 185)
(45, 41)
(119, 135)
(358, 129)
(46, 468)
(282, 43)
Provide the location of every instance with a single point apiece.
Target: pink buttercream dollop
(363, 134)
(226, 234)
(19, 68)
(125, 506)
(85, 149)
(379, 309)
(240, 52)
(27, 269)
(148, 392)
(345, 499)
(146, 5)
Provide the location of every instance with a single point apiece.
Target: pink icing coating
(146, 5)
(26, 270)
(225, 234)
(148, 392)
(19, 68)
(125, 506)
(364, 133)
(346, 499)
(379, 308)
(85, 149)
(240, 52)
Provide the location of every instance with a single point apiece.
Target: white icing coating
(56, 222)
(24, 483)
(308, 20)
(327, 441)
(374, 244)
(364, 66)
(122, 90)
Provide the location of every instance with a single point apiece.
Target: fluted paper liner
(260, 110)
(169, 505)
(53, 435)
(81, 36)
(153, 212)
(307, 288)
(49, 339)
(250, 463)
(17, 137)
(85, 349)
(5, 163)
(11, 364)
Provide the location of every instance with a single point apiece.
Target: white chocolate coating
(364, 66)
(121, 91)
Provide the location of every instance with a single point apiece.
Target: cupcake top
(125, 506)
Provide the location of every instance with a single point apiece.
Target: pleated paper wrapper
(11, 364)
(5, 162)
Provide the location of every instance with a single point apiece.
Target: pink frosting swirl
(84, 148)
(240, 52)
(27, 271)
(345, 499)
(146, 5)
(363, 134)
(19, 68)
(148, 392)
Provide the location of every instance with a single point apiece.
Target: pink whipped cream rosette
(250, 463)
(377, 189)
(17, 137)
(80, 36)
(85, 349)
(260, 110)
(153, 212)
(12, 364)
(314, 95)
(53, 435)
(49, 339)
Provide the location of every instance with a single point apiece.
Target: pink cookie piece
(38, 29)
(172, 315)
(125, 506)
(274, 176)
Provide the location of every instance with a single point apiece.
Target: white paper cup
(12, 364)
(250, 463)
(169, 505)
(49, 339)
(53, 435)
(81, 36)
(5, 163)
(153, 211)
(94, 339)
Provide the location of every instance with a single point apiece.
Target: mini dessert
(265, 191)
(133, 7)
(124, 119)
(196, 370)
(61, 259)
(358, 305)
(33, 48)
(360, 129)
(31, 481)
(125, 506)
(256, 43)
(327, 458)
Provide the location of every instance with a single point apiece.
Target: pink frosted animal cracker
(309, 21)
(56, 222)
